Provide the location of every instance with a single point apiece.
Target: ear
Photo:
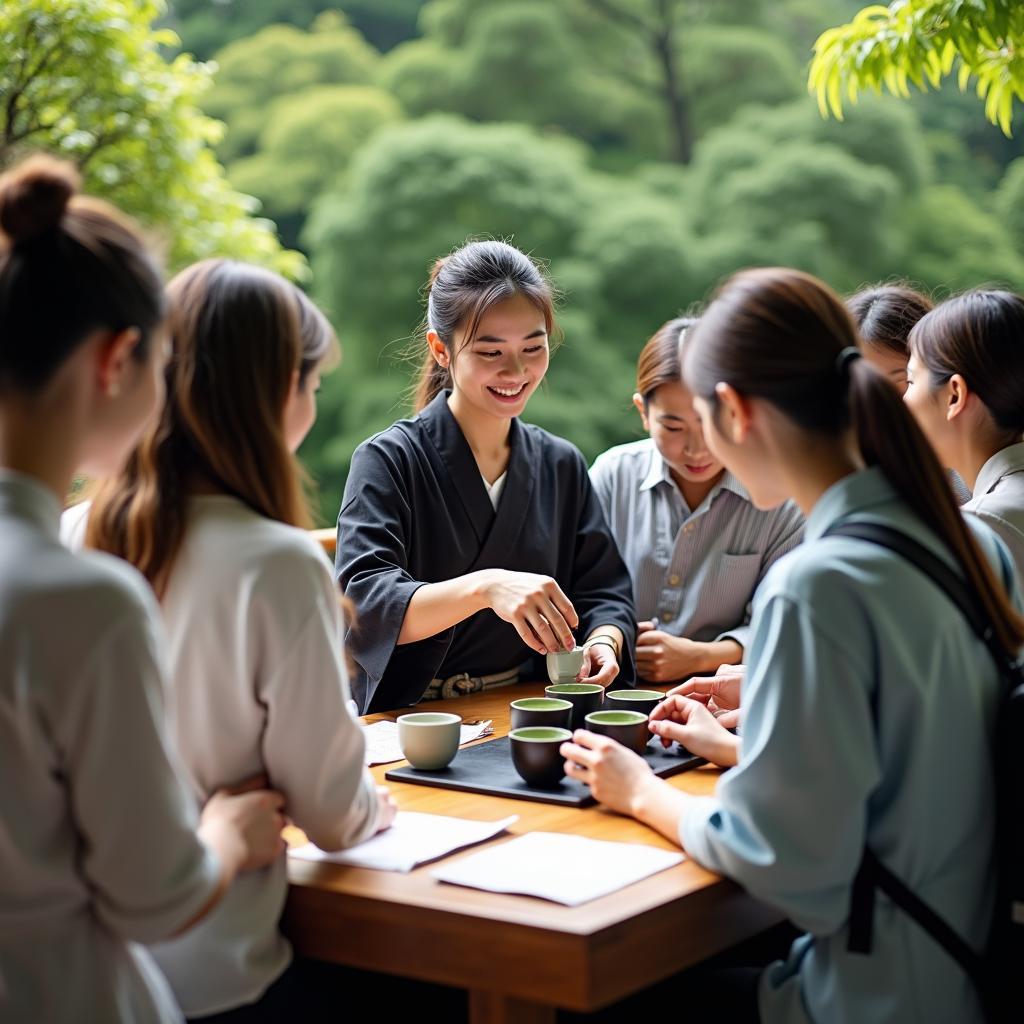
(438, 349)
(116, 353)
(736, 412)
(638, 402)
(957, 394)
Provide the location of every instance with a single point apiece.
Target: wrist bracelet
(606, 639)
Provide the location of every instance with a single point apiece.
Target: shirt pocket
(727, 591)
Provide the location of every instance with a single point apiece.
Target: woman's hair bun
(34, 196)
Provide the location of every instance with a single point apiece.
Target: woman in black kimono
(466, 538)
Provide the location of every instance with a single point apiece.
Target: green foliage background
(642, 149)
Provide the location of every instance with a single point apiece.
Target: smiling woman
(464, 509)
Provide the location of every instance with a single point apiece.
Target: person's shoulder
(985, 530)
(98, 586)
(390, 447)
(265, 550)
(632, 458)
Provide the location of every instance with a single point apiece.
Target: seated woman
(885, 316)
(211, 510)
(99, 844)
(851, 705)
(966, 391)
(467, 539)
(695, 546)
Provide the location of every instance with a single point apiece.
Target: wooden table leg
(494, 1008)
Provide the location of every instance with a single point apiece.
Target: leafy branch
(920, 43)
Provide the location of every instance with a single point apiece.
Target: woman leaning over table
(468, 539)
(99, 845)
(862, 676)
(966, 392)
(211, 510)
(695, 545)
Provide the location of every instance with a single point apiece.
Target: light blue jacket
(841, 625)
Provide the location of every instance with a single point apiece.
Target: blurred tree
(921, 42)
(306, 145)
(417, 190)
(206, 26)
(587, 68)
(88, 81)
(278, 61)
(951, 243)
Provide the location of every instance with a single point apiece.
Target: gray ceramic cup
(584, 697)
(540, 711)
(429, 739)
(564, 666)
(626, 727)
(535, 754)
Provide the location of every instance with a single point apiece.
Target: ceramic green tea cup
(564, 666)
(429, 739)
(540, 711)
(644, 701)
(584, 697)
(535, 754)
(626, 727)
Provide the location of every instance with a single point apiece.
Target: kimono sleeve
(149, 872)
(789, 822)
(375, 535)
(602, 592)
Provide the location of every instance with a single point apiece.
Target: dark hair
(980, 335)
(886, 313)
(658, 362)
(69, 265)
(239, 332)
(777, 334)
(462, 287)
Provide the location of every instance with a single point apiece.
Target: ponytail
(782, 335)
(888, 437)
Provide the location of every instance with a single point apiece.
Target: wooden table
(518, 956)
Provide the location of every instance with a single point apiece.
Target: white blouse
(258, 686)
(97, 833)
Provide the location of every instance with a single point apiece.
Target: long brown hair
(462, 287)
(979, 335)
(777, 334)
(239, 333)
(69, 265)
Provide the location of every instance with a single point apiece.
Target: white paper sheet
(413, 839)
(382, 746)
(563, 868)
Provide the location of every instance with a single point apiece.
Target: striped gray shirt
(693, 571)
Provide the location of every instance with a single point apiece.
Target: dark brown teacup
(540, 711)
(626, 727)
(535, 754)
(584, 697)
(644, 701)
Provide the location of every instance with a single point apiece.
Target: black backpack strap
(872, 873)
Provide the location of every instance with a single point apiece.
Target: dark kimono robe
(416, 511)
